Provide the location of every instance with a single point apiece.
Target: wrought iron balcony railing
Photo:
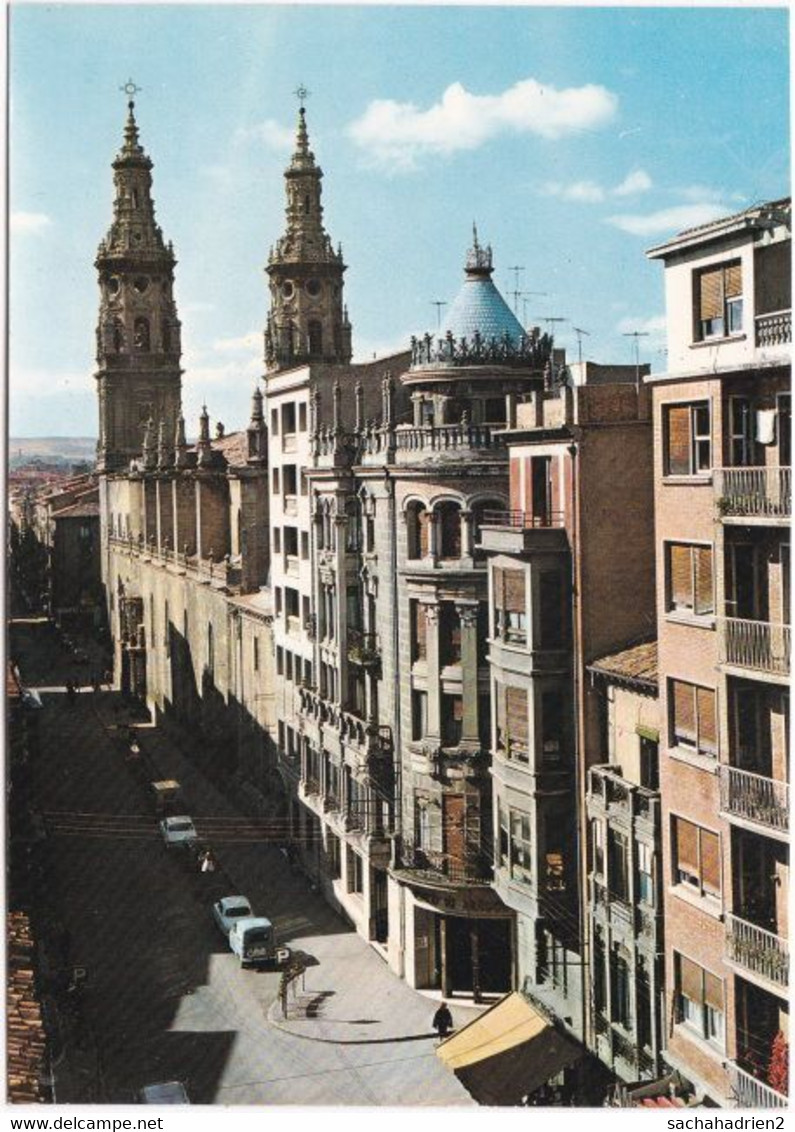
(758, 951)
(755, 797)
(473, 867)
(760, 646)
(749, 1092)
(753, 493)
(364, 648)
(523, 520)
(532, 351)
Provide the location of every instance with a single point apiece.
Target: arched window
(353, 524)
(449, 520)
(141, 336)
(165, 337)
(418, 525)
(315, 332)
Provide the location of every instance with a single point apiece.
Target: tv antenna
(550, 321)
(579, 332)
(637, 334)
(525, 296)
(516, 292)
(438, 303)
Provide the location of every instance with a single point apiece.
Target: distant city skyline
(574, 137)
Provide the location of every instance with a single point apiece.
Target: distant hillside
(51, 449)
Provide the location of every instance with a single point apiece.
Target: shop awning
(508, 1052)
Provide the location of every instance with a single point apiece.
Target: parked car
(253, 940)
(164, 1092)
(178, 830)
(229, 909)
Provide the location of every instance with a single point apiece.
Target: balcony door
(743, 588)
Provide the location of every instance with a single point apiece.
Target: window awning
(508, 1052)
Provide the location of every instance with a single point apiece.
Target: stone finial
(219, 430)
(204, 446)
(180, 444)
(359, 398)
(257, 415)
(149, 457)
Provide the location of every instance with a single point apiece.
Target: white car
(229, 910)
(178, 830)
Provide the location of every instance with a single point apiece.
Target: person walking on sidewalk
(443, 1021)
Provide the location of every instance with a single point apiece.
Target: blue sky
(575, 137)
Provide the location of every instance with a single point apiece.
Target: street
(163, 997)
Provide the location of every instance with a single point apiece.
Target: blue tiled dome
(479, 305)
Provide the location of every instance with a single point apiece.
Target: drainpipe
(579, 729)
(389, 485)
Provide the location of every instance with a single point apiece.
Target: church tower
(307, 320)
(138, 334)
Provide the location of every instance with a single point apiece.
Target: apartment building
(723, 502)
(578, 532)
(624, 886)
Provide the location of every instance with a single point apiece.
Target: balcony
(414, 442)
(364, 648)
(753, 495)
(518, 532)
(761, 647)
(751, 1093)
(442, 869)
(758, 952)
(755, 798)
(774, 329)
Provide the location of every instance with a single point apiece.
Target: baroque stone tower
(307, 321)
(138, 334)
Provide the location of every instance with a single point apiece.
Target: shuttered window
(693, 717)
(690, 582)
(419, 631)
(699, 999)
(696, 858)
(719, 300)
(514, 590)
(687, 438)
(516, 720)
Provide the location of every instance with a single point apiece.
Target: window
(693, 717)
(719, 301)
(617, 865)
(354, 870)
(419, 631)
(277, 540)
(690, 582)
(649, 762)
(279, 660)
(510, 603)
(290, 479)
(288, 666)
(620, 1008)
(333, 855)
(699, 999)
(304, 545)
(645, 873)
(521, 849)
(418, 531)
(274, 422)
(696, 858)
(598, 840)
(449, 517)
(304, 482)
(302, 417)
(256, 653)
(504, 836)
(449, 635)
(688, 446)
(741, 439)
(419, 714)
(552, 726)
(288, 418)
(512, 722)
(452, 720)
(276, 488)
(291, 542)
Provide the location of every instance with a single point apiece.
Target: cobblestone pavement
(164, 997)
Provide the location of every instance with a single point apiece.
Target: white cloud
(637, 182)
(272, 133)
(667, 219)
(28, 223)
(589, 192)
(246, 342)
(654, 326)
(399, 133)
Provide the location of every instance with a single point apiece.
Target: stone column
(468, 615)
(467, 534)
